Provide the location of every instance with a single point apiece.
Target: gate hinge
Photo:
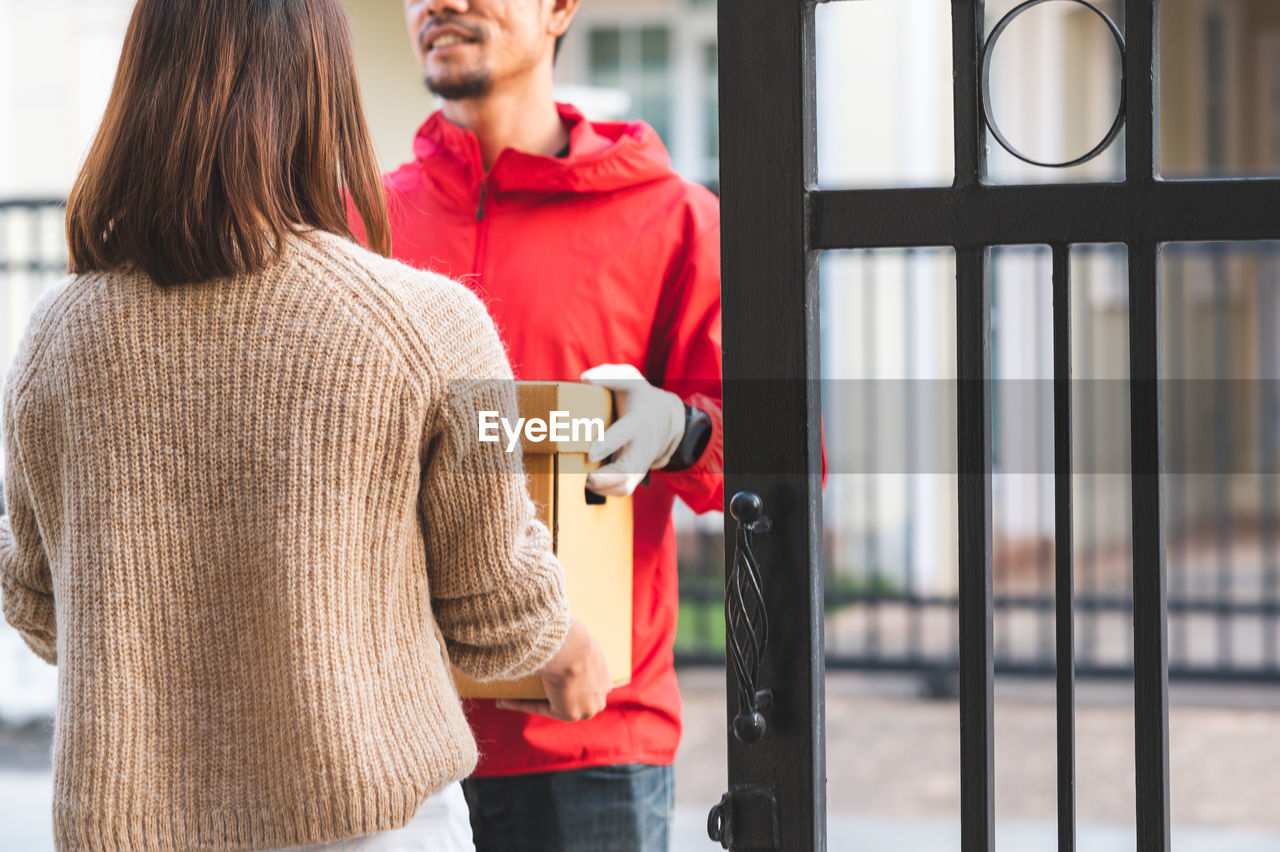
(746, 820)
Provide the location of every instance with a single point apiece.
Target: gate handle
(746, 818)
(746, 620)
(718, 822)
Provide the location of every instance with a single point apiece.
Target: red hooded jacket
(603, 256)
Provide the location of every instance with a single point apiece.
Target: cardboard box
(592, 534)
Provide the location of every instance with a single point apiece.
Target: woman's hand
(576, 680)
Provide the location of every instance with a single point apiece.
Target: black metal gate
(774, 221)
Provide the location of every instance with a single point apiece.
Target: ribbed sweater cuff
(32, 614)
(538, 618)
(549, 643)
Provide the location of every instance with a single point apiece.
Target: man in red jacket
(596, 261)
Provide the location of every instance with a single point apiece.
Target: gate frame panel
(774, 221)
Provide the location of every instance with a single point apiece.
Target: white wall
(396, 101)
(59, 57)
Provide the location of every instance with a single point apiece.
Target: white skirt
(442, 824)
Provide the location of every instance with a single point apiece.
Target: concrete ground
(892, 768)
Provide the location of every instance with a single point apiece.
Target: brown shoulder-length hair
(231, 125)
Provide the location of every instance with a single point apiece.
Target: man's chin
(459, 87)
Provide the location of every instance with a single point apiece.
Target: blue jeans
(622, 808)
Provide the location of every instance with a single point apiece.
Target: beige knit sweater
(243, 517)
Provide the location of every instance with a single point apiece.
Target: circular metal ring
(989, 49)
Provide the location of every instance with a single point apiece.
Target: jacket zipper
(482, 232)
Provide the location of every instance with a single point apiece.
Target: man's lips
(447, 35)
(448, 40)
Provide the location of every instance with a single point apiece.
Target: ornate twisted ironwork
(746, 618)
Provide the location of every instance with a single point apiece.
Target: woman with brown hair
(249, 519)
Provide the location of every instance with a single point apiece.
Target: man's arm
(688, 353)
(693, 368)
(670, 414)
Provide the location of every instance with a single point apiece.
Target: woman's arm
(497, 590)
(25, 583)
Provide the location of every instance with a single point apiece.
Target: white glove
(646, 434)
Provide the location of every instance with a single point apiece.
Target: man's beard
(475, 84)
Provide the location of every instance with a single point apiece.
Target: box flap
(578, 401)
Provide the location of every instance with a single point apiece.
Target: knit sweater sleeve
(26, 586)
(497, 590)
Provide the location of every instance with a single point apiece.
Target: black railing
(1222, 424)
(33, 257)
(926, 640)
(1223, 567)
(32, 241)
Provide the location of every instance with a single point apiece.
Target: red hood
(603, 157)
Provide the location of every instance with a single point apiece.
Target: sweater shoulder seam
(63, 298)
(357, 305)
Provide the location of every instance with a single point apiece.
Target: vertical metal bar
(5, 293)
(967, 19)
(1150, 604)
(1044, 550)
(1269, 437)
(37, 260)
(973, 362)
(1000, 617)
(1064, 596)
(977, 758)
(770, 305)
(915, 623)
(1176, 262)
(1142, 91)
(871, 535)
(1150, 652)
(707, 581)
(1222, 431)
(1089, 519)
(1216, 156)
